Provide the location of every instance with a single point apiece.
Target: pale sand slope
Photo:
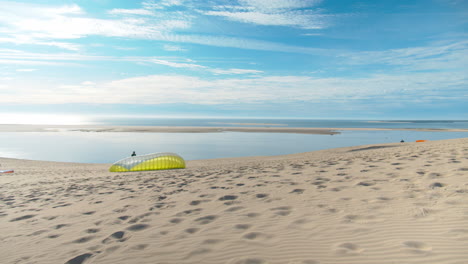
(400, 203)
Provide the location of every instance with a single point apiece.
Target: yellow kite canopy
(155, 161)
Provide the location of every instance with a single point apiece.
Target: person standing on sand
(133, 154)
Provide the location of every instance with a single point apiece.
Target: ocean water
(108, 147)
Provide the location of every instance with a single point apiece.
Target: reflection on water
(109, 147)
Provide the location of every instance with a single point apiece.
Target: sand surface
(388, 203)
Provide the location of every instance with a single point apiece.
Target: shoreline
(347, 151)
(192, 129)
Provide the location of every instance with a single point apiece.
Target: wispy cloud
(118, 11)
(44, 25)
(194, 66)
(178, 64)
(432, 57)
(160, 89)
(51, 25)
(293, 13)
(173, 48)
(162, 4)
(235, 71)
(27, 58)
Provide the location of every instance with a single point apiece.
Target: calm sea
(102, 147)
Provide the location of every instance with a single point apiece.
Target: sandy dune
(389, 203)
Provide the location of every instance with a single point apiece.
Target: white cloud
(235, 71)
(293, 13)
(275, 19)
(162, 4)
(194, 66)
(177, 64)
(25, 58)
(118, 11)
(173, 48)
(279, 4)
(43, 25)
(26, 70)
(433, 57)
(160, 89)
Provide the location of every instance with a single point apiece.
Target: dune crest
(386, 203)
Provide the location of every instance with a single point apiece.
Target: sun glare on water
(42, 119)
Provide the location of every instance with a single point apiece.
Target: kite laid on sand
(155, 161)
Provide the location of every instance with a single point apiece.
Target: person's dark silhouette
(401, 141)
(133, 154)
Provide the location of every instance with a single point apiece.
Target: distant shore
(193, 129)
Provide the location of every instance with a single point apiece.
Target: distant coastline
(189, 129)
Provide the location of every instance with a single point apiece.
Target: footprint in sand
(348, 249)
(242, 226)
(89, 213)
(198, 251)
(117, 236)
(234, 209)
(189, 212)
(434, 175)
(192, 230)
(282, 210)
(248, 261)
(197, 202)
(137, 227)
(140, 217)
(60, 226)
(256, 236)
(206, 219)
(83, 239)
(24, 217)
(228, 197)
(252, 215)
(297, 191)
(366, 183)
(79, 259)
(417, 247)
(176, 220)
(38, 233)
(92, 230)
(436, 185)
(211, 241)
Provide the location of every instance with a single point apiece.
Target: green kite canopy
(155, 161)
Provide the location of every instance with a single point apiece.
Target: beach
(384, 203)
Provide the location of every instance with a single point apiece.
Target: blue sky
(244, 58)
